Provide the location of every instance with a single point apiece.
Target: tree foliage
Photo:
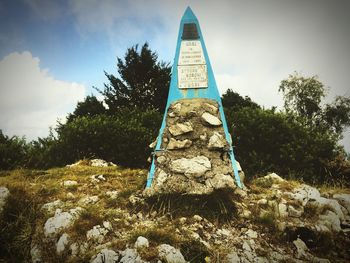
(13, 151)
(91, 106)
(302, 95)
(143, 83)
(234, 101)
(303, 99)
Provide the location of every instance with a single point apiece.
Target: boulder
(295, 212)
(62, 243)
(178, 144)
(211, 119)
(100, 163)
(302, 249)
(322, 204)
(97, 233)
(170, 254)
(196, 166)
(112, 194)
(160, 178)
(344, 200)
(97, 178)
(70, 183)
(141, 242)
(272, 178)
(4, 193)
(52, 206)
(180, 128)
(217, 141)
(105, 256)
(130, 255)
(221, 181)
(60, 221)
(89, 200)
(329, 221)
(251, 233)
(233, 258)
(304, 193)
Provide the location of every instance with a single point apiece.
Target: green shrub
(13, 151)
(267, 141)
(122, 138)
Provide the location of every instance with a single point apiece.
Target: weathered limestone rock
(70, 183)
(344, 200)
(330, 220)
(97, 178)
(180, 128)
(196, 166)
(62, 243)
(192, 144)
(130, 255)
(4, 193)
(60, 221)
(233, 258)
(100, 163)
(105, 256)
(170, 254)
(302, 249)
(322, 204)
(217, 141)
(295, 212)
(89, 200)
(161, 159)
(211, 108)
(141, 242)
(161, 178)
(97, 233)
(211, 119)
(52, 206)
(271, 178)
(112, 194)
(221, 181)
(304, 193)
(251, 233)
(282, 209)
(178, 144)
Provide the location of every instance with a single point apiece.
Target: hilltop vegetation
(301, 142)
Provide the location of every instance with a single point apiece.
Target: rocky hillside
(85, 213)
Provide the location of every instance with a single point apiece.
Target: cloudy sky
(53, 52)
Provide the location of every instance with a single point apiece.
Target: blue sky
(53, 52)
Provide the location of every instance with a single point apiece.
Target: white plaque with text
(192, 69)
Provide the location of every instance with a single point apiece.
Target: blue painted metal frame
(211, 92)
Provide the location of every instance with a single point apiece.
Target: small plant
(88, 218)
(267, 219)
(157, 235)
(17, 224)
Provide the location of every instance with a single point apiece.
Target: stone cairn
(194, 158)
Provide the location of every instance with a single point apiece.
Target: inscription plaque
(192, 69)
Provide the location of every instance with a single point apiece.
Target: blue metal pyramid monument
(192, 78)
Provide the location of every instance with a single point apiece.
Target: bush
(266, 141)
(13, 151)
(122, 138)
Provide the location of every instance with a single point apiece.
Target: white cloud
(31, 99)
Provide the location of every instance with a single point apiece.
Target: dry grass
(22, 220)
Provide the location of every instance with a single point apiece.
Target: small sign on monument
(192, 68)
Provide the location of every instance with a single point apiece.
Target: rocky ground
(98, 214)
